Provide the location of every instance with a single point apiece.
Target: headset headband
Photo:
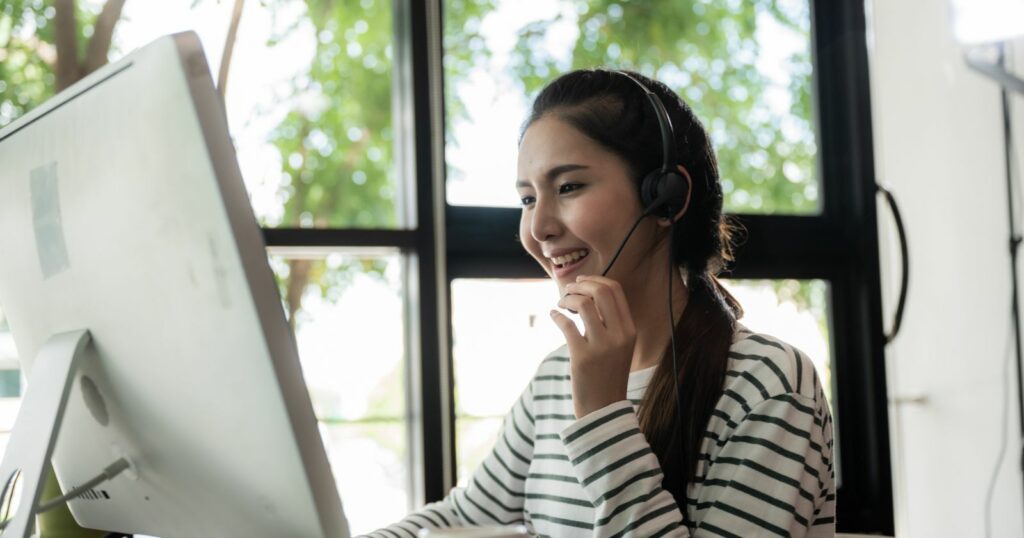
(664, 123)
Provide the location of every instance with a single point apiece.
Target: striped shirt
(765, 467)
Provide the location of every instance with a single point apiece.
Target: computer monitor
(123, 213)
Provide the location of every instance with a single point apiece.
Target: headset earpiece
(664, 194)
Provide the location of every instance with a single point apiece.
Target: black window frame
(839, 246)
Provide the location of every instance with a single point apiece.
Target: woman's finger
(604, 299)
(572, 336)
(621, 304)
(584, 305)
(568, 304)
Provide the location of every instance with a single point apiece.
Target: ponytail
(705, 331)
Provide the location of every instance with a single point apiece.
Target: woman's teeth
(569, 258)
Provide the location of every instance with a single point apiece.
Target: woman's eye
(569, 187)
(565, 188)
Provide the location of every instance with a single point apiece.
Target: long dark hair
(613, 111)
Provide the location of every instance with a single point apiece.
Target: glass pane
(308, 95)
(474, 439)
(522, 324)
(348, 314)
(795, 311)
(744, 67)
(370, 462)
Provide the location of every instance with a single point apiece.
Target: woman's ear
(664, 221)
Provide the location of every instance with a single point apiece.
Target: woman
(594, 446)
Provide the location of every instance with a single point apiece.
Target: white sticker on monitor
(46, 220)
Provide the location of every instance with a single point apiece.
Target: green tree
(46, 46)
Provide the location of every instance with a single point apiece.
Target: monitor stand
(35, 430)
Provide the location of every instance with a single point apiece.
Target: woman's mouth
(565, 265)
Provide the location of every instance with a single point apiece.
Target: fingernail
(578, 278)
(552, 313)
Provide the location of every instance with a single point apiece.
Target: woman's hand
(599, 362)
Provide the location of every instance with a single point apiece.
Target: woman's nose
(545, 222)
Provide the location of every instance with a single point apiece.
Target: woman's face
(578, 200)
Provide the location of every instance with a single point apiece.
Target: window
(782, 89)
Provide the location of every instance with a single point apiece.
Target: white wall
(939, 146)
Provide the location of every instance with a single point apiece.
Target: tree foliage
(336, 146)
(46, 46)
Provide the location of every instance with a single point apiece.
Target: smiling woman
(621, 433)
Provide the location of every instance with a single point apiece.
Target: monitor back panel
(122, 211)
